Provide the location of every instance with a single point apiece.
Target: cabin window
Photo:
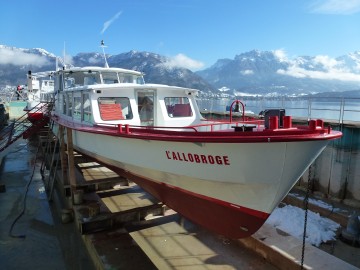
(178, 107)
(69, 104)
(59, 82)
(80, 78)
(128, 79)
(46, 97)
(140, 80)
(110, 77)
(146, 107)
(63, 97)
(114, 108)
(77, 108)
(86, 108)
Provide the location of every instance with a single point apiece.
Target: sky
(193, 33)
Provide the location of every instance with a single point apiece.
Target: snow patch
(290, 219)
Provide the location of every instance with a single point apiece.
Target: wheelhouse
(113, 96)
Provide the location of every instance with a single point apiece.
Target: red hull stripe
(34, 117)
(215, 215)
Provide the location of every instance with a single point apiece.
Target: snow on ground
(290, 219)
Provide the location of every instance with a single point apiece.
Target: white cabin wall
(165, 120)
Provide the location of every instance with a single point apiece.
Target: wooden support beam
(64, 164)
(71, 164)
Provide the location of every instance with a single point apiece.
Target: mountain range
(253, 73)
(264, 72)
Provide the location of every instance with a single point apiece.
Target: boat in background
(39, 90)
(227, 175)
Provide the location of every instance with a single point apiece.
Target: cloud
(344, 7)
(332, 70)
(281, 55)
(326, 61)
(20, 58)
(109, 22)
(181, 60)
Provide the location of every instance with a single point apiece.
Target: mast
(103, 46)
(64, 56)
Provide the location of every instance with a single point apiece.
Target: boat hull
(214, 215)
(35, 117)
(228, 188)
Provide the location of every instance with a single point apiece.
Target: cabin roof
(102, 69)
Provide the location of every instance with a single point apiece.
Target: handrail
(194, 128)
(337, 105)
(340, 109)
(17, 128)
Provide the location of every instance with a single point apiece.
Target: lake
(338, 109)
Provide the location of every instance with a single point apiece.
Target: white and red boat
(39, 90)
(227, 176)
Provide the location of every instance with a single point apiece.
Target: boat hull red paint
(217, 216)
(34, 117)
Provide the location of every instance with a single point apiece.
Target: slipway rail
(23, 127)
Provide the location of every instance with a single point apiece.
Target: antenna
(64, 56)
(103, 46)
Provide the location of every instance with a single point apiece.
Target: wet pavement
(36, 239)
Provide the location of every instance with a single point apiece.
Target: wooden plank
(127, 199)
(93, 171)
(71, 164)
(170, 246)
(116, 250)
(64, 165)
(117, 207)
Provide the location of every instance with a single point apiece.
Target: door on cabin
(146, 107)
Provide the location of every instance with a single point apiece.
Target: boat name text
(196, 158)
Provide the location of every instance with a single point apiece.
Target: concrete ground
(37, 239)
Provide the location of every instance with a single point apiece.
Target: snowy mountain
(263, 72)
(15, 62)
(158, 70)
(254, 72)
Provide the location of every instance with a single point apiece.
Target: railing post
(342, 111)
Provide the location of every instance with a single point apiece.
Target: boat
(38, 93)
(226, 175)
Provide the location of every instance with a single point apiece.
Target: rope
(306, 204)
(24, 200)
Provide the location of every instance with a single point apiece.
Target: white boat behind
(39, 90)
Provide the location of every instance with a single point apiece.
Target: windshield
(81, 78)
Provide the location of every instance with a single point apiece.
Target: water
(338, 109)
